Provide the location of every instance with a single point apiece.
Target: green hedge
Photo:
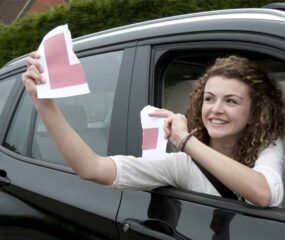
(87, 16)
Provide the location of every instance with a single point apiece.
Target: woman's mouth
(218, 121)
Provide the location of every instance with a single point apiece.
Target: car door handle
(4, 180)
(152, 228)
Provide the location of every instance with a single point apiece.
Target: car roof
(235, 14)
(201, 21)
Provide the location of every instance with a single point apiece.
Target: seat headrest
(179, 96)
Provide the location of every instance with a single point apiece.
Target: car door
(46, 191)
(166, 79)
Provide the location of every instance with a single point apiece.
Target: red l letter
(61, 73)
(150, 137)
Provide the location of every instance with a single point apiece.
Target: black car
(157, 63)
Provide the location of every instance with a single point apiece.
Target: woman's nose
(218, 107)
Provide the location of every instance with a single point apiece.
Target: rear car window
(88, 114)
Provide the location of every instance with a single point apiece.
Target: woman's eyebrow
(234, 95)
(226, 96)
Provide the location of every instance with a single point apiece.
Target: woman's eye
(231, 101)
(208, 99)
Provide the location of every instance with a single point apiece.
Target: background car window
(88, 114)
(5, 89)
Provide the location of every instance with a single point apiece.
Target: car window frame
(121, 105)
(259, 45)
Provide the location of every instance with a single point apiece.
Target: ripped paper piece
(63, 72)
(154, 143)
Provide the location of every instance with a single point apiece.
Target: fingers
(33, 60)
(180, 116)
(34, 70)
(35, 54)
(176, 124)
(161, 113)
(173, 123)
(167, 127)
(32, 76)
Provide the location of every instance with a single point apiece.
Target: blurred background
(23, 23)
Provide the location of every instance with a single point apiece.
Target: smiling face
(226, 108)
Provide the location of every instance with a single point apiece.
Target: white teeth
(218, 121)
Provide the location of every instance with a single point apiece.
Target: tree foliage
(87, 16)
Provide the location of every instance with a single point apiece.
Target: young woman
(238, 113)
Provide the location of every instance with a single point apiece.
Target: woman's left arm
(250, 184)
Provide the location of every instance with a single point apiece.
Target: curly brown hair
(267, 109)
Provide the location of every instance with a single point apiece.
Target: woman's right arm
(80, 157)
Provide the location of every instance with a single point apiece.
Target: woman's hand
(175, 125)
(32, 76)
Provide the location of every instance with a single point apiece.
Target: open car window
(180, 71)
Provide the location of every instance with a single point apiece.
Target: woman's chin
(217, 134)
